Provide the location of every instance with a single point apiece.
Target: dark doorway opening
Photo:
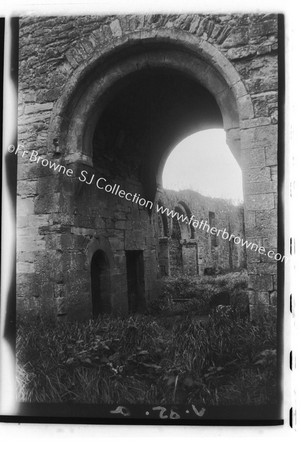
(100, 283)
(135, 279)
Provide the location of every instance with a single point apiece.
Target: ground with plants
(178, 352)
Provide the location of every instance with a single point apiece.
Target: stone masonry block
(239, 36)
(26, 257)
(266, 136)
(263, 298)
(25, 206)
(241, 52)
(271, 156)
(266, 221)
(29, 243)
(116, 243)
(261, 187)
(263, 28)
(22, 221)
(28, 231)
(268, 268)
(37, 108)
(39, 220)
(249, 221)
(245, 106)
(270, 242)
(264, 103)
(27, 188)
(257, 175)
(256, 122)
(25, 267)
(194, 24)
(47, 204)
(253, 157)
(261, 282)
(258, 202)
(116, 28)
(253, 256)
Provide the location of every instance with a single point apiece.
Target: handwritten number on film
(162, 415)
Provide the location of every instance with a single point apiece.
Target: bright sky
(204, 163)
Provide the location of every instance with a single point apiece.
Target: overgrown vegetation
(226, 360)
(198, 292)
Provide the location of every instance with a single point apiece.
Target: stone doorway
(100, 284)
(135, 280)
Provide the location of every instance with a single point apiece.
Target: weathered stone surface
(257, 122)
(261, 282)
(274, 173)
(265, 136)
(27, 188)
(116, 28)
(25, 206)
(260, 202)
(22, 221)
(253, 158)
(37, 108)
(238, 37)
(269, 267)
(266, 220)
(249, 222)
(271, 156)
(259, 74)
(47, 204)
(242, 52)
(273, 298)
(25, 243)
(264, 28)
(260, 174)
(263, 298)
(265, 103)
(261, 187)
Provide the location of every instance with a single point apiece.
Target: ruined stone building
(111, 97)
(188, 250)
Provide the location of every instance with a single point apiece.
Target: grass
(153, 358)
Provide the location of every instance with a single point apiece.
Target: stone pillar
(164, 256)
(189, 255)
(259, 154)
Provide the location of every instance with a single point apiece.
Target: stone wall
(65, 64)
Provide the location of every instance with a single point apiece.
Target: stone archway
(201, 73)
(97, 79)
(84, 97)
(93, 85)
(78, 79)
